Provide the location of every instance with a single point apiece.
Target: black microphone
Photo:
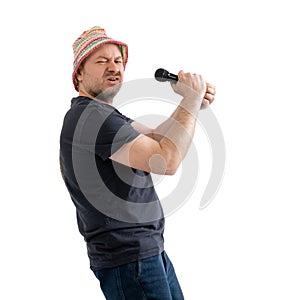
(163, 75)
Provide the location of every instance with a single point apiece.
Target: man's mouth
(113, 78)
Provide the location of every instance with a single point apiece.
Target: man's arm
(163, 155)
(158, 132)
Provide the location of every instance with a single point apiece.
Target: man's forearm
(159, 132)
(177, 132)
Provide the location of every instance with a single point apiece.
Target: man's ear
(78, 75)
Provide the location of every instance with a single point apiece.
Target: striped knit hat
(89, 41)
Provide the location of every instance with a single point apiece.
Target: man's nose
(113, 66)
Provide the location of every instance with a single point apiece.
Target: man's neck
(84, 94)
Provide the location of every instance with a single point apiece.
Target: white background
(245, 244)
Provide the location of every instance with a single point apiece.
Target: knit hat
(89, 41)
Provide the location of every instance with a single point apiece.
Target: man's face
(102, 73)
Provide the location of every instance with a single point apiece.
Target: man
(106, 159)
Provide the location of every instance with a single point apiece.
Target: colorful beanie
(88, 42)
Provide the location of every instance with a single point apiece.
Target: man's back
(104, 192)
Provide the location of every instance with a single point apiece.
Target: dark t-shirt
(118, 210)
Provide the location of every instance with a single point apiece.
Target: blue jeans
(150, 278)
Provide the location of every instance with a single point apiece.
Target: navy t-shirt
(118, 210)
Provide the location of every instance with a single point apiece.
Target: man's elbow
(164, 165)
(171, 172)
(172, 167)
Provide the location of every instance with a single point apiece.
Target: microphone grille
(161, 75)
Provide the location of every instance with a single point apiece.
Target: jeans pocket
(138, 268)
(165, 260)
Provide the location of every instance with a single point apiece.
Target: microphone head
(161, 75)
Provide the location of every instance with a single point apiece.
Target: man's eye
(101, 62)
(118, 61)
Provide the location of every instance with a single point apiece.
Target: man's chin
(108, 94)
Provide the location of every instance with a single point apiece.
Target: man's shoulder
(82, 102)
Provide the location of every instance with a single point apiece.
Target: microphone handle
(172, 77)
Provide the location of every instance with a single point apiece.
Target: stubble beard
(98, 93)
(106, 95)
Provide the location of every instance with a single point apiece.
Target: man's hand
(209, 96)
(191, 86)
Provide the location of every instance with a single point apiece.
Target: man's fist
(189, 85)
(209, 96)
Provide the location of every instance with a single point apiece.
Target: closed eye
(118, 61)
(101, 61)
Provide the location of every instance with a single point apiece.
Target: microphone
(163, 75)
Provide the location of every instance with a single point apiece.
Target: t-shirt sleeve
(113, 134)
(128, 119)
